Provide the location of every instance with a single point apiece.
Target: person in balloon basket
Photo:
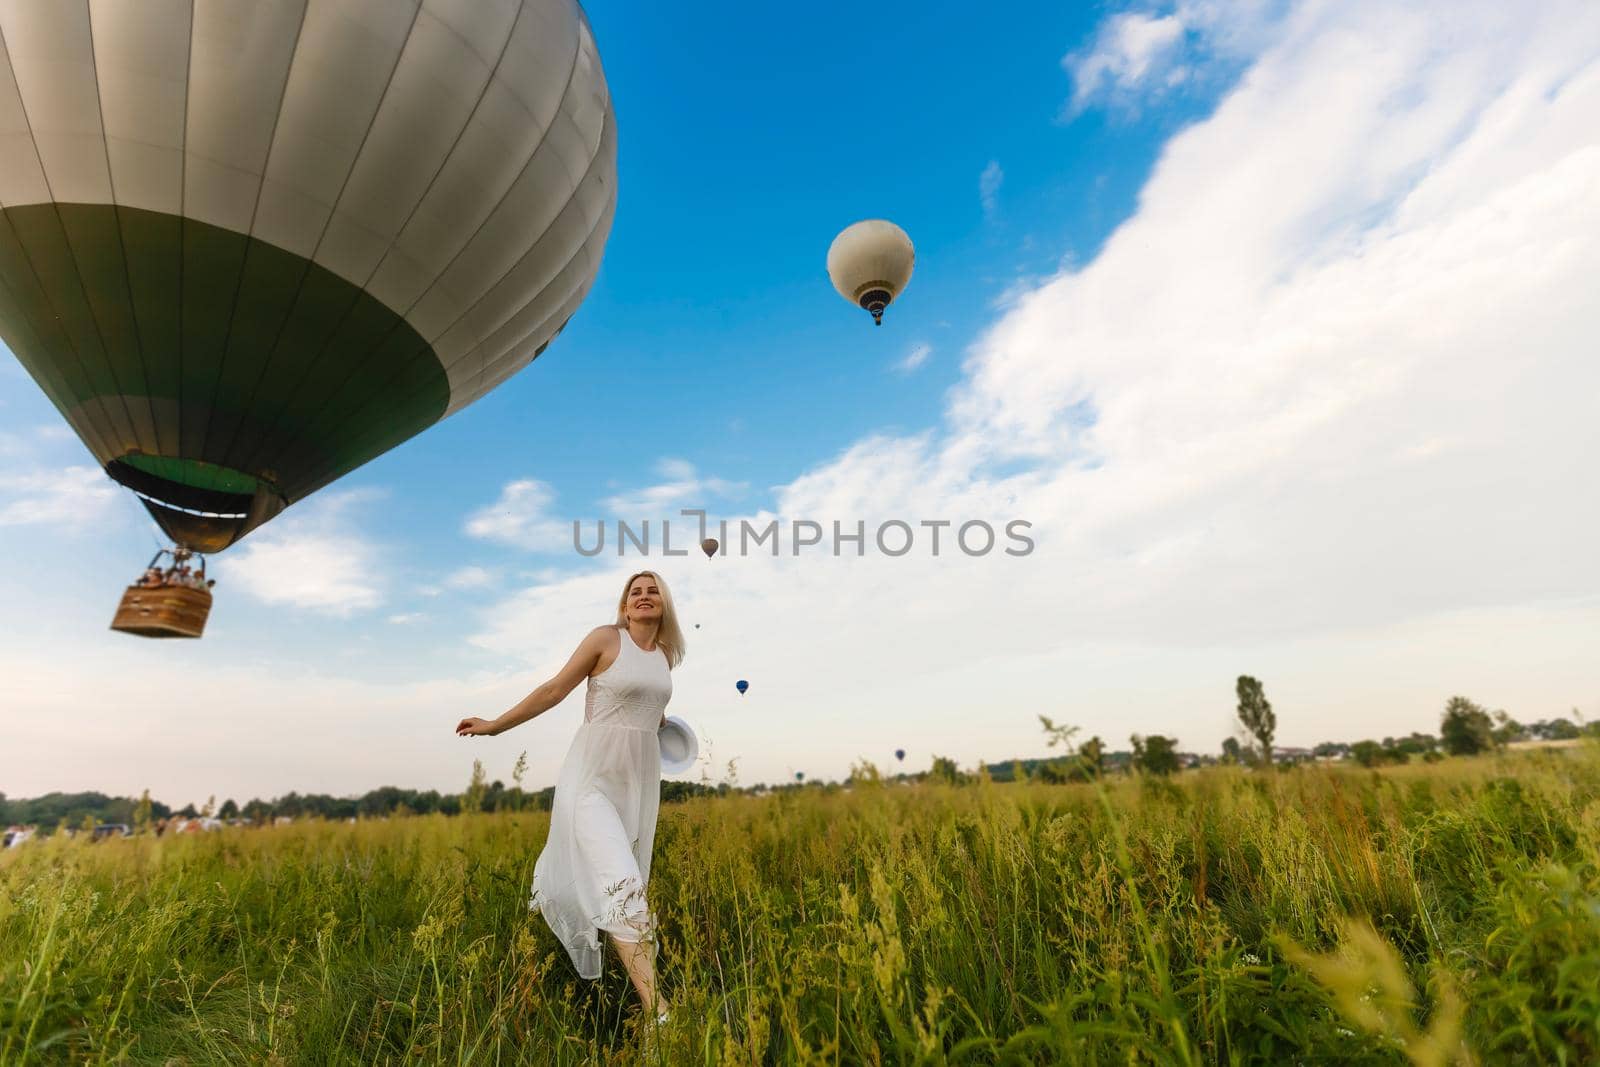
(592, 875)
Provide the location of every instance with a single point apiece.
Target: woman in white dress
(592, 874)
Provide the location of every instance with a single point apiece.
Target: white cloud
(469, 577)
(74, 497)
(1138, 56)
(312, 557)
(989, 188)
(407, 617)
(683, 486)
(1128, 50)
(521, 519)
(40, 487)
(916, 357)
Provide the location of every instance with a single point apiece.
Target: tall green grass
(1448, 913)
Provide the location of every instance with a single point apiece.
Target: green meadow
(1429, 913)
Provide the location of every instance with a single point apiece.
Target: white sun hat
(679, 746)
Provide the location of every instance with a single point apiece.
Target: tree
(1413, 744)
(472, 799)
(1507, 729)
(1559, 730)
(1371, 754)
(1092, 758)
(1466, 728)
(1155, 754)
(1256, 714)
(229, 810)
(945, 770)
(1232, 752)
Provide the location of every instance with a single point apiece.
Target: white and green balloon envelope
(247, 247)
(679, 746)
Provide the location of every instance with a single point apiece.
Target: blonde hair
(668, 637)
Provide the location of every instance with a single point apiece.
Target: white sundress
(595, 865)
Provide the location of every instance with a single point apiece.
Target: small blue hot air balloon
(741, 685)
(799, 776)
(900, 754)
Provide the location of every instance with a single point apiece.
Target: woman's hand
(474, 727)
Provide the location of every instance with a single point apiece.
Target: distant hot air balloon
(870, 263)
(799, 776)
(741, 685)
(709, 547)
(246, 248)
(900, 754)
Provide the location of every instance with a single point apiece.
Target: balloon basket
(163, 611)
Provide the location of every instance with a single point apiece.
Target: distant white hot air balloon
(870, 264)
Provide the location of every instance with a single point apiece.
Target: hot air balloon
(799, 776)
(870, 264)
(741, 685)
(247, 248)
(709, 547)
(900, 754)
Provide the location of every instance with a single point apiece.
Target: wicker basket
(163, 611)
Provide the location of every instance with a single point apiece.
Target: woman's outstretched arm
(548, 695)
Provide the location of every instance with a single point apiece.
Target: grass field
(1429, 914)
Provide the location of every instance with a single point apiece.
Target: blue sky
(1241, 237)
(749, 138)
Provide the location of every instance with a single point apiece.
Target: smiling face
(644, 601)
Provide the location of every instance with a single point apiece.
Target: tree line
(1465, 729)
(57, 811)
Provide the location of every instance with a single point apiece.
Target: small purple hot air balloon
(741, 685)
(900, 754)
